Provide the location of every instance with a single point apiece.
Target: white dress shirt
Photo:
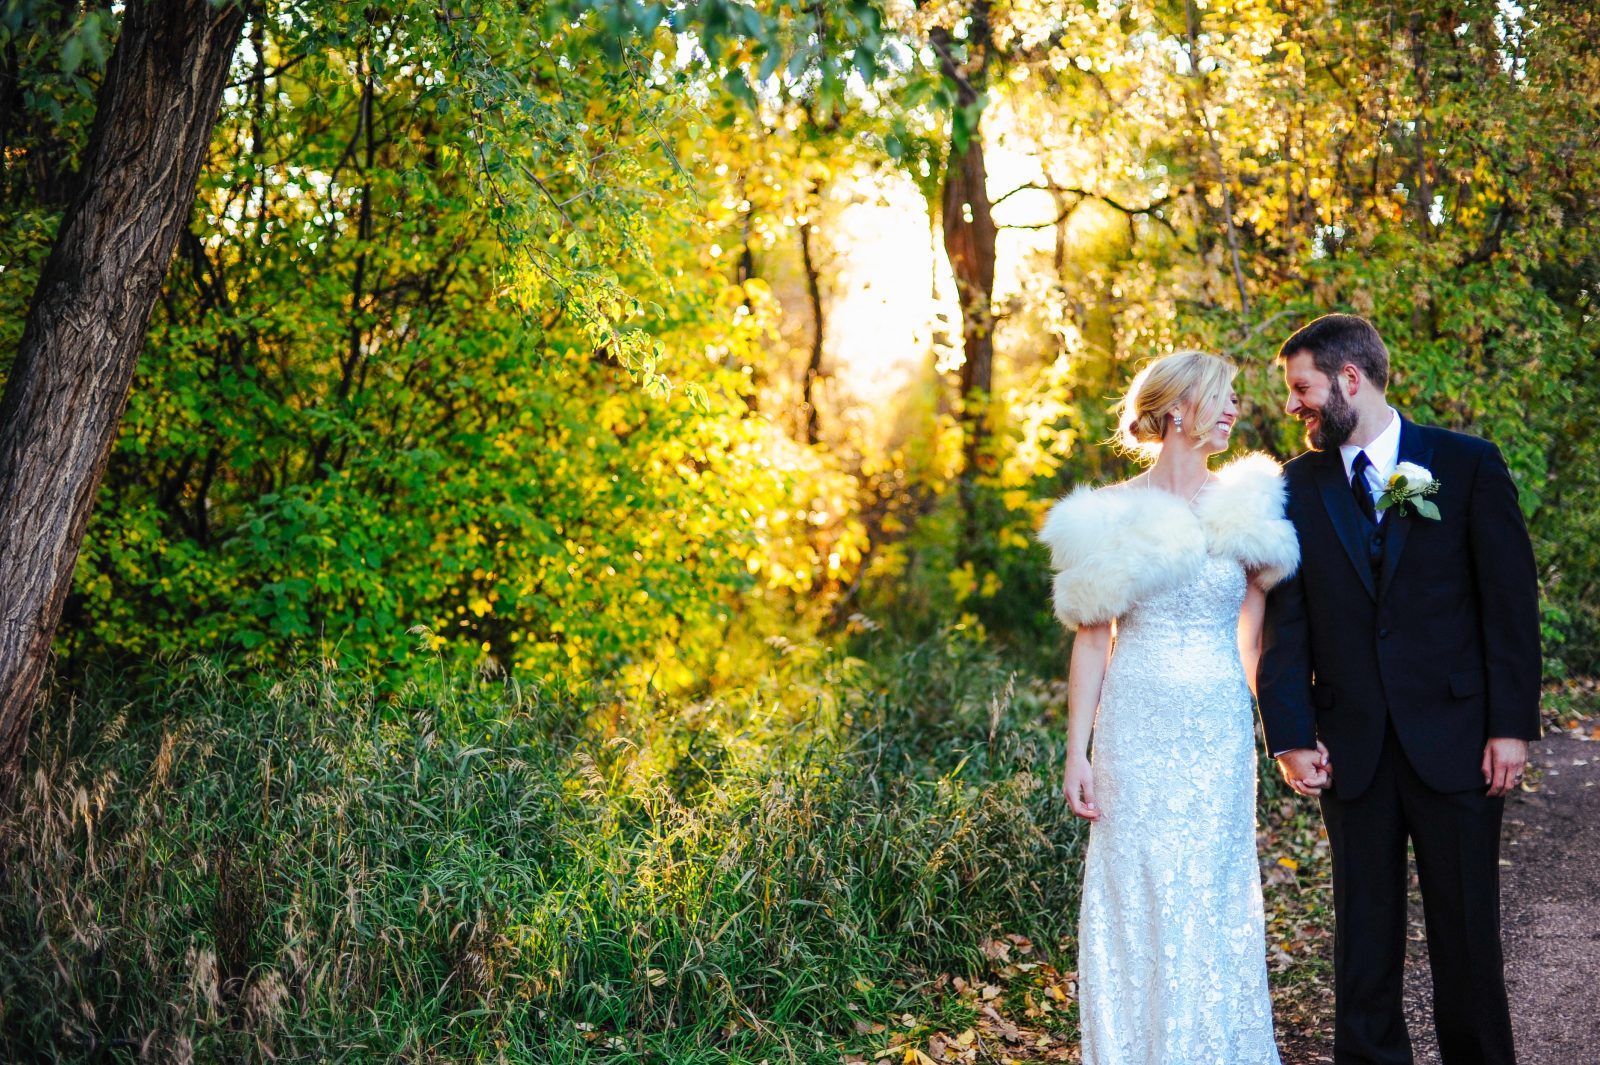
(1383, 453)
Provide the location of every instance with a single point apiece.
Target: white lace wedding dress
(1172, 952)
(1171, 947)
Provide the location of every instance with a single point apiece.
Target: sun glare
(890, 288)
(893, 303)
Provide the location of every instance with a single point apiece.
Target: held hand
(1079, 787)
(1504, 759)
(1306, 769)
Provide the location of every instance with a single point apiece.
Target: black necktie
(1360, 487)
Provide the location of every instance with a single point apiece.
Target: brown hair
(1339, 340)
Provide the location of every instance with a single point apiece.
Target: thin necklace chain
(1152, 483)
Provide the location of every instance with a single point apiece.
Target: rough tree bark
(969, 237)
(86, 324)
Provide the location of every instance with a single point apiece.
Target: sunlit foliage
(519, 329)
(519, 370)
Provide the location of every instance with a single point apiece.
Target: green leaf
(94, 39)
(72, 54)
(736, 84)
(769, 65)
(1427, 509)
(866, 64)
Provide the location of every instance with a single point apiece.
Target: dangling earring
(1177, 422)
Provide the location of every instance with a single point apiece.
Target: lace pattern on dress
(1172, 949)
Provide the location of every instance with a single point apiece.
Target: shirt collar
(1383, 452)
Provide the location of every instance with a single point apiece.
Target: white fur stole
(1112, 547)
(1243, 515)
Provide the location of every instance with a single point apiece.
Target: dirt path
(1549, 912)
(1550, 915)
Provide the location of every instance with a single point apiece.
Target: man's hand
(1504, 759)
(1307, 769)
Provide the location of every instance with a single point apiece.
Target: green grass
(291, 868)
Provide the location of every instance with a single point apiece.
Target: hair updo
(1194, 378)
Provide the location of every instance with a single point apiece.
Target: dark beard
(1335, 422)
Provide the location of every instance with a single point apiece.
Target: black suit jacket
(1443, 640)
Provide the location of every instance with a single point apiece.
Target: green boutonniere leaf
(1426, 508)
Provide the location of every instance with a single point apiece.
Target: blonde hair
(1197, 378)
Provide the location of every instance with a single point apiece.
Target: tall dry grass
(255, 869)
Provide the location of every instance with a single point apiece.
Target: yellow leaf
(963, 581)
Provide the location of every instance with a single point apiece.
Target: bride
(1164, 578)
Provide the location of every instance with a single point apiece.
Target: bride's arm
(1091, 649)
(1250, 626)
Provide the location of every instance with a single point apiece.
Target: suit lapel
(1347, 520)
(1412, 449)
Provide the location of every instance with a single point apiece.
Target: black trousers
(1456, 839)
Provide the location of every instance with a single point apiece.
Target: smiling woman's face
(1216, 441)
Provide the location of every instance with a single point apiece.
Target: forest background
(564, 585)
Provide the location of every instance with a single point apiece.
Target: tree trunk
(745, 272)
(1200, 117)
(86, 324)
(808, 398)
(1422, 181)
(969, 235)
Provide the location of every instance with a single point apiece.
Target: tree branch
(1032, 185)
(1084, 194)
(1491, 240)
(283, 68)
(1260, 327)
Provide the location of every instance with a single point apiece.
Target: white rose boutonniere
(1409, 486)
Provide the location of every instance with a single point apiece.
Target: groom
(1400, 682)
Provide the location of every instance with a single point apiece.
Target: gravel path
(1549, 913)
(1550, 916)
